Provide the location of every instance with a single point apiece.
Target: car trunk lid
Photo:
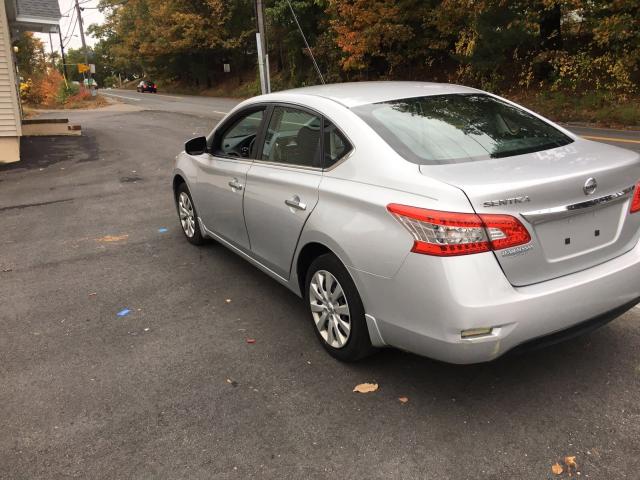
(574, 200)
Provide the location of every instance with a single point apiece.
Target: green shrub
(66, 90)
(110, 81)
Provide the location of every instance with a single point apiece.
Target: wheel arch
(307, 255)
(178, 179)
(311, 248)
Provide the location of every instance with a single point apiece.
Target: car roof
(353, 94)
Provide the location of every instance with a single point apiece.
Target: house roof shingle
(38, 9)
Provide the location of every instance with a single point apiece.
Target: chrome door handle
(295, 203)
(235, 184)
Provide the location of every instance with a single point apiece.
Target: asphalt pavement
(163, 102)
(172, 389)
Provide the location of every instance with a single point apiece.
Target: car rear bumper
(431, 300)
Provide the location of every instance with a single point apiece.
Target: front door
(282, 186)
(222, 176)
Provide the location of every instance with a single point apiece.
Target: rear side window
(336, 144)
(293, 137)
(239, 138)
(456, 128)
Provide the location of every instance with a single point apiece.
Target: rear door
(222, 175)
(282, 185)
(574, 200)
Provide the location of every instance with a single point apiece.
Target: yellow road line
(578, 127)
(611, 139)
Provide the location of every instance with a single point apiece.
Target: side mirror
(196, 146)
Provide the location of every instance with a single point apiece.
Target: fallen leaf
(112, 238)
(366, 387)
(403, 399)
(557, 469)
(571, 464)
(251, 340)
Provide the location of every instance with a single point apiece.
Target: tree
(31, 58)
(571, 45)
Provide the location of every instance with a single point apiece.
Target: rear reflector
(476, 332)
(449, 233)
(635, 203)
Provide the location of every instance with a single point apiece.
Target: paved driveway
(173, 390)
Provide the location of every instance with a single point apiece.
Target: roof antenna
(315, 64)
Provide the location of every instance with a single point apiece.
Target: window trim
(305, 109)
(230, 122)
(311, 111)
(346, 155)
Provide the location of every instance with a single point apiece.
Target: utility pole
(84, 43)
(263, 56)
(64, 61)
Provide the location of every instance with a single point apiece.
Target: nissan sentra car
(434, 218)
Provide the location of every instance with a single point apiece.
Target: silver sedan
(438, 219)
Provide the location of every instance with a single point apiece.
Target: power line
(313, 59)
(73, 6)
(70, 37)
(66, 35)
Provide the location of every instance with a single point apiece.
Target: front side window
(293, 137)
(456, 128)
(239, 140)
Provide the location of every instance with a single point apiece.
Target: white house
(17, 16)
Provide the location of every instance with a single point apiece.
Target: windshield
(459, 128)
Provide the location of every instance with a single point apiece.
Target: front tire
(188, 216)
(336, 310)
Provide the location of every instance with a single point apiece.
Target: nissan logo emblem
(590, 186)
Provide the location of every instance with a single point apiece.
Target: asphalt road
(173, 390)
(189, 104)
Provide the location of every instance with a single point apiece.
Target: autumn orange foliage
(43, 89)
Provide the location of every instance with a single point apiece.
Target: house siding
(10, 123)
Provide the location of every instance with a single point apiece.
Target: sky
(69, 27)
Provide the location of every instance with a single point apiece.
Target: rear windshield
(457, 128)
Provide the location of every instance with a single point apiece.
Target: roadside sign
(92, 67)
(83, 67)
(227, 68)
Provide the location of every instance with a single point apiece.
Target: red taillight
(635, 203)
(449, 233)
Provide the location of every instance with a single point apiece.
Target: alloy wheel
(187, 216)
(330, 309)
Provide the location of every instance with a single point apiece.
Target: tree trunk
(550, 28)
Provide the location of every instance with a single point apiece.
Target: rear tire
(188, 216)
(336, 310)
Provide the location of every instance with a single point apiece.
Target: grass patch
(596, 108)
